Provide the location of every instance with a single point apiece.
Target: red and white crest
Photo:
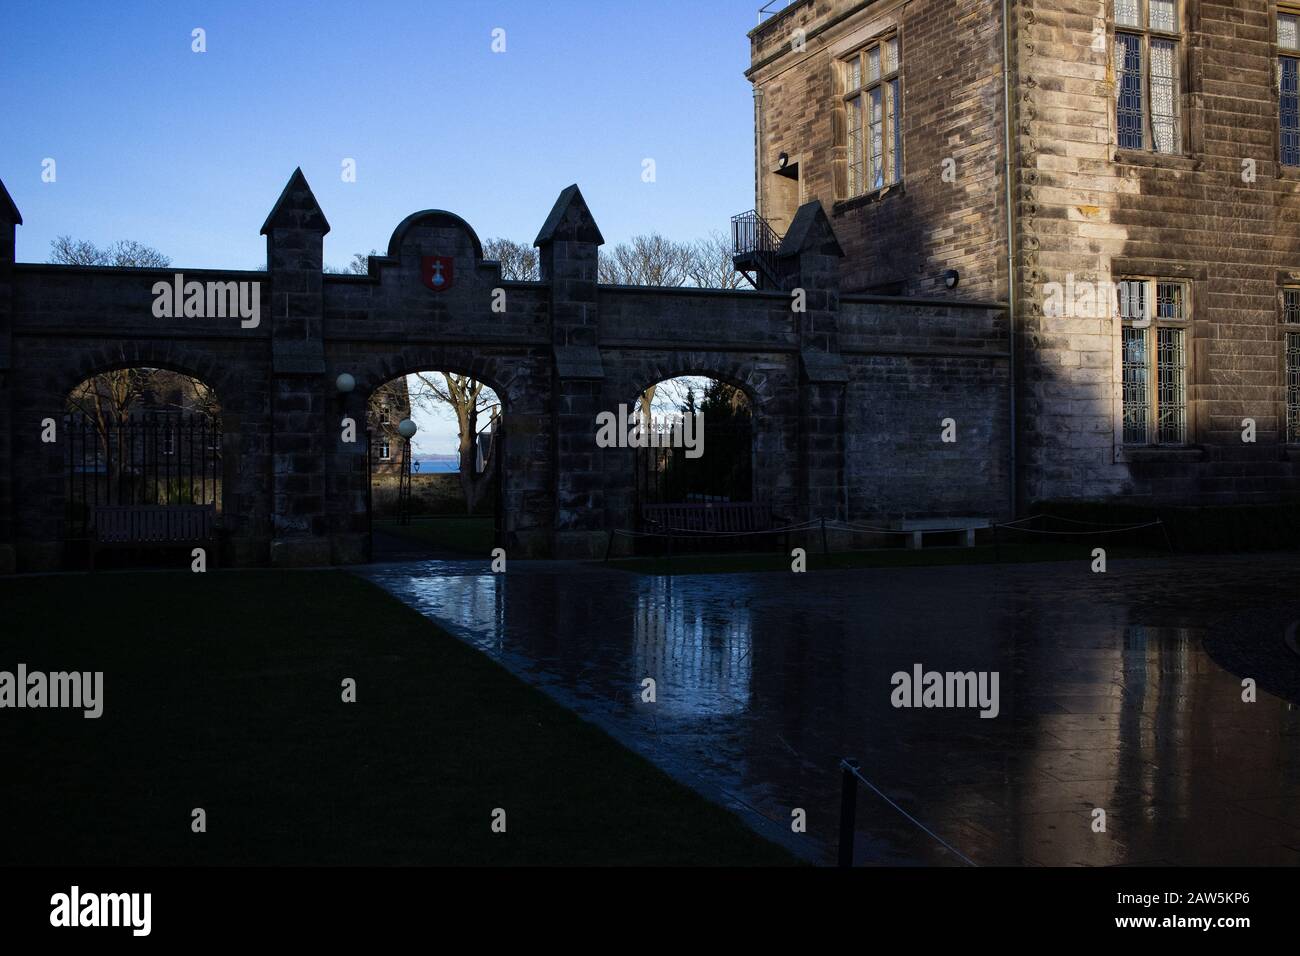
(438, 272)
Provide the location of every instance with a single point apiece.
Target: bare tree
(711, 265)
(518, 261)
(107, 399)
(360, 264)
(646, 260)
(469, 400)
(126, 253)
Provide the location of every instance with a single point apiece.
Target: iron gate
(147, 458)
(725, 472)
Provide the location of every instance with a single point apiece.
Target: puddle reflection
(764, 681)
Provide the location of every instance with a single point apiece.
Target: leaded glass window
(875, 111)
(857, 182)
(1154, 316)
(1164, 96)
(1169, 300)
(1288, 37)
(1288, 81)
(1132, 300)
(877, 134)
(1128, 87)
(1291, 346)
(1291, 306)
(1171, 383)
(1293, 387)
(1148, 88)
(1163, 15)
(1136, 372)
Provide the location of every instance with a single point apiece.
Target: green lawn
(882, 558)
(223, 691)
(469, 535)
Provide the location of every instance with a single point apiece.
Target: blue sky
(187, 152)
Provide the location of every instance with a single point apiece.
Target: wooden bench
(127, 526)
(922, 526)
(716, 517)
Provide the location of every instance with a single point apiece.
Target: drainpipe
(1011, 243)
(758, 152)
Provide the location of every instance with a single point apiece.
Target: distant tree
(107, 399)
(470, 402)
(646, 260)
(518, 260)
(711, 266)
(125, 253)
(360, 264)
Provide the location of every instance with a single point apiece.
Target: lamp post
(407, 429)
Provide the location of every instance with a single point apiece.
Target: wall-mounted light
(951, 278)
(782, 161)
(345, 383)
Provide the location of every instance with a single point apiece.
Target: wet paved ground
(1108, 698)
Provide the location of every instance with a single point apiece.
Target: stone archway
(772, 394)
(146, 444)
(714, 460)
(520, 378)
(456, 501)
(558, 351)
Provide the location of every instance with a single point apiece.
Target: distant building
(390, 404)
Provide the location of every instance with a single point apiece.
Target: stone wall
(1084, 210)
(1089, 209)
(847, 392)
(912, 233)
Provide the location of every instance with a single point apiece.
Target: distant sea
(436, 466)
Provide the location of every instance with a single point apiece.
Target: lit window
(875, 110)
(1154, 318)
(1147, 57)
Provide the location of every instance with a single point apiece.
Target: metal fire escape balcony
(753, 249)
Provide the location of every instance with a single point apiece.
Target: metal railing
(754, 241)
(751, 233)
(772, 8)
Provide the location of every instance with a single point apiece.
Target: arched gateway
(847, 394)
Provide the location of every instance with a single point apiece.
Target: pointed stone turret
(570, 220)
(295, 238)
(296, 208)
(809, 262)
(296, 227)
(9, 218)
(810, 246)
(809, 259)
(569, 243)
(302, 419)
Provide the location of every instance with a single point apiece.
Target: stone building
(1124, 174)
(851, 394)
